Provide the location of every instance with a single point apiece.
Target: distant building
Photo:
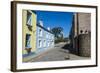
(80, 34)
(35, 37)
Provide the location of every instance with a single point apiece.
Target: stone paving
(57, 54)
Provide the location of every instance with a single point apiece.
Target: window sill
(28, 49)
(29, 25)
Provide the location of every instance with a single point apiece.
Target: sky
(56, 19)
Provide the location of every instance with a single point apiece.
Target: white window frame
(40, 43)
(29, 21)
(40, 32)
(29, 42)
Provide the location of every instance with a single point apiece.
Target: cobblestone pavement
(57, 54)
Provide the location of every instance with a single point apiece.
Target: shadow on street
(69, 48)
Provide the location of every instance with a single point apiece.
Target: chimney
(48, 28)
(40, 23)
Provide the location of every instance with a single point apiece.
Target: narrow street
(57, 54)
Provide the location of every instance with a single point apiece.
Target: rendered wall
(27, 31)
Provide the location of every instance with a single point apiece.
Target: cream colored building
(28, 31)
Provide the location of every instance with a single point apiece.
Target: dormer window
(29, 18)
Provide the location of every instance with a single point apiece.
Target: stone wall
(80, 34)
(84, 20)
(85, 45)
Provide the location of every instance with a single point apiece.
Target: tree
(57, 31)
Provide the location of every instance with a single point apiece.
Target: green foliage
(57, 31)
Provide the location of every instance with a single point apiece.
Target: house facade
(80, 34)
(28, 31)
(35, 37)
(44, 37)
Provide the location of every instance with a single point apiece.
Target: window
(40, 43)
(81, 31)
(52, 43)
(40, 32)
(28, 39)
(29, 18)
(47, 35)
(44, 43)
(48, 43)
(86, 31)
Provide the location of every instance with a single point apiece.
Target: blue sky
(56, 19)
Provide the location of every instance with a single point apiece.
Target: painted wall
(26, 30)
(37, 34)
(46, 38)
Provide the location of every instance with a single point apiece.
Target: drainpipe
(77, 34)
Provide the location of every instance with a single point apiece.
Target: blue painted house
(44, 38)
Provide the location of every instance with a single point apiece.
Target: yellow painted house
(28, 31)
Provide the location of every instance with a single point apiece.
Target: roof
(44, 28)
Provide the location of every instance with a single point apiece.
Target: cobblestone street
(57, 54)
